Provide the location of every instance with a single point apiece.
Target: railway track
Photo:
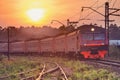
(58, 68)
(57, 71)
(108, 62)
(48, 68)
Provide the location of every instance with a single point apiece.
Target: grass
(16, 65)
(114, 52)
(75, 69)
(82, 71)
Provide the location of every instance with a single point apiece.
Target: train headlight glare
(85, 44)
(92, 29)
(102, 43)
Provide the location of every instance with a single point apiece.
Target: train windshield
(95, 36)
(99, 37)
(87, 36)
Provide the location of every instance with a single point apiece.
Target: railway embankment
(31, 67)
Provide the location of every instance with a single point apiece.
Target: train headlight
(85, 44)
(103, 43)
(92, 29)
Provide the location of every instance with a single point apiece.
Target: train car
(17, 47)
(60, 45)
(92, 41)
(3, 47)
(71, 42)
(32, 46)
(88, 40)
(46, 46)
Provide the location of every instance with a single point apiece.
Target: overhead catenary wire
(114, 3)
(93, 4)
(86, 9)
(109, 1)
(89, 13)
(93, 12)
(98, 7)
(80, 13)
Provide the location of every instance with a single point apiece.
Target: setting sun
(35, 14)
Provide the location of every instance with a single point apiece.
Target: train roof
(87, 28)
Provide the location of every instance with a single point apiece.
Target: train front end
(93, 42)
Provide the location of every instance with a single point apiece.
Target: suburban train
(88, 41)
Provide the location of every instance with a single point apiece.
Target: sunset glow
(35, 14)
(41, 12)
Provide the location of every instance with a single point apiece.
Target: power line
(86, 10)
(93, 4)
(85, 16)
(75, 15)
(109, 1)
(96, 9)
(80, 13)
(102, 5)
(114, 3)
(91, 12)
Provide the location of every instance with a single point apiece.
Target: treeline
(27, 33)
(114, 31)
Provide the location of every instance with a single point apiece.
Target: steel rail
(108, 62)
(62, 71)
(41, 73)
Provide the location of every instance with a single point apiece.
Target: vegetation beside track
(114, 53)
(74, 69)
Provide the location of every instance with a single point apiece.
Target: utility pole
(8, 53)
(107, 23)
(107, 14)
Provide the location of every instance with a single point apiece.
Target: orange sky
(13, 12)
